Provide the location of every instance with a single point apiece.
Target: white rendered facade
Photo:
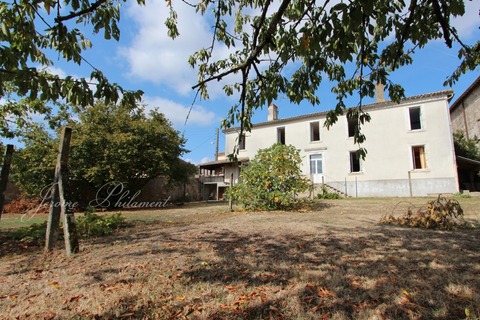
(410, 148)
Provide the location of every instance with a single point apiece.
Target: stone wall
(465, 114)
(157, 190)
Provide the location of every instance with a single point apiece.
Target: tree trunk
(7, 161)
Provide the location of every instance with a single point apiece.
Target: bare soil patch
(205, 262)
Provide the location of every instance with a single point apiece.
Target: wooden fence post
(7, 161)
(59, 202)
(53, 222)
(230, 200)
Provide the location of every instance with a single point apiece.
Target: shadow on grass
(224, 272)
(386, 272)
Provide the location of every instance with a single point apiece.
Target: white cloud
(57, 71)
(468, 25)
(177, 113)
(189, 161)
(155, 57)
(205, 160)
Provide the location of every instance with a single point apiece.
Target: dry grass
(203, 262)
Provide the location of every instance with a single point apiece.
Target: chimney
(379, 92)
(272, 112)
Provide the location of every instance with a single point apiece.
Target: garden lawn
(201, 261)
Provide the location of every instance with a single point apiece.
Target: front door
(316, 167)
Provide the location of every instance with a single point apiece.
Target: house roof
(370, 106)
(472, 87)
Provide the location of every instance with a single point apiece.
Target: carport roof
(468, 163)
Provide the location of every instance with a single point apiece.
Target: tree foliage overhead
(109, 143)
(272, 180)
(283, 47)
(31, 30)
(319, 39)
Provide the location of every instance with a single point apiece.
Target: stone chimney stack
(379, 92)
(272, 112)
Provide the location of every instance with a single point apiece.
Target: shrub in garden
(88, 226)
(327, 194)
(93, 225)
(33, 234)
(272, 180)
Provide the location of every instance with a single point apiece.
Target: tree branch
(257, 29)
(443, 22)
(72, 15)
(256, 51)
(271, 29)
(403, 39)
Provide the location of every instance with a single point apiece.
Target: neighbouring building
(465, 115)
(216, 176)
(410, 149)
(465, 112)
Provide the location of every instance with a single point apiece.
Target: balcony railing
(212, 178)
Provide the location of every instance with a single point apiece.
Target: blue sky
(146, 59)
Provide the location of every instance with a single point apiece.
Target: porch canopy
(212, 165)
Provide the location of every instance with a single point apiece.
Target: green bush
(462, 195)
(327, 195)
(272, 180)
(34, 234)
(93, 225)
(88, 225)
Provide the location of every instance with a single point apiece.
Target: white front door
(316, 167)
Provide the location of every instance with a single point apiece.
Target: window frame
(422, 157)
(316, 161)
(351, 124)
(242, 145)
(281, 133)
(413, 124)
(315, 128)
(353, 156)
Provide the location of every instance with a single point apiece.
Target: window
(281, 135)
(418, 155)
(241, 142)
(316, 166)
(415, 118)
(354, 162)
(315, 131)
(352, 124)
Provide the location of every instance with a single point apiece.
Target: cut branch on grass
(442, 213)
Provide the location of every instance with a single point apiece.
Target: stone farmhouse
(465, 112)
(465, 115)
(410, 149)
